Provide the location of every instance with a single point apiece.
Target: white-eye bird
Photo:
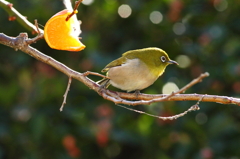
(136, 69)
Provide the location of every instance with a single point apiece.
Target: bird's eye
(163, 59)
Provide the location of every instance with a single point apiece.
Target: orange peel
(62, 34)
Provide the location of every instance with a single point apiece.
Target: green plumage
(136, 69)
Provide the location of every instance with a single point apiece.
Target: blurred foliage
(206, 32)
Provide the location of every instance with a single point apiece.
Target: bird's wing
(131, 54)
(117, 62)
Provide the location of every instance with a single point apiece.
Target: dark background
(204, 32)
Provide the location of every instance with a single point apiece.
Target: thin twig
(38, 37)
(19, 17)
(77, 3)
(94, 73)
(66, 93)
(200, 100)
(192, 108)
(193, 82)
(36, 24)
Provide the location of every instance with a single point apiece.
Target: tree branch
(192, 108)
(66, 93)
(19, 17)
(20, 43)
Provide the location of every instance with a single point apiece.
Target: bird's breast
(132, 75)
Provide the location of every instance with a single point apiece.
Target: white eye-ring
(163, 58)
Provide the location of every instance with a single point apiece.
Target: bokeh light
(113, 150)
(179, 28)
(220, 5)
(236, 87)
(87, 2)
(207, 153)
(215, 32)
(169, 87)
(124, 11)
(183, 61)
(21, 114)
(201, 118)
(156, 17)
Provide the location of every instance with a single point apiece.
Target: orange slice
(61, 34)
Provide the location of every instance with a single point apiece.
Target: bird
(136, 69)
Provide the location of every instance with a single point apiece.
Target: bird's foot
(137, 93)
(102, 88)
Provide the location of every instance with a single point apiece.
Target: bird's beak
(172, 62)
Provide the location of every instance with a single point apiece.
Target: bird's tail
(105, 82)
